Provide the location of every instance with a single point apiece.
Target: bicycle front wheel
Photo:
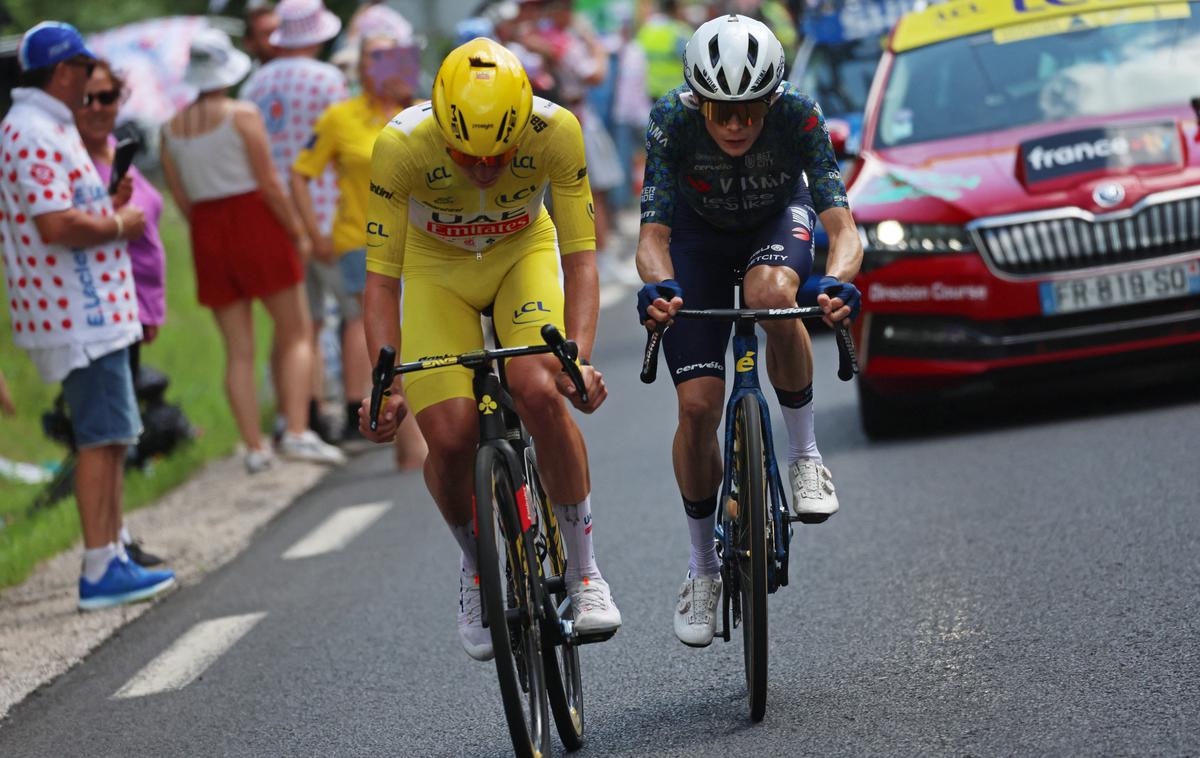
(752, 549)
(564, 679)
(511, 587)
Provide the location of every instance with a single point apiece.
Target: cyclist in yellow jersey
(456, 223)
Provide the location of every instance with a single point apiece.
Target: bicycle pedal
(591, 639)
(810, 518)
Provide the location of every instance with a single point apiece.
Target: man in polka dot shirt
(70, 293)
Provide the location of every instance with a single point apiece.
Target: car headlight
(887, 240)
(894, 236)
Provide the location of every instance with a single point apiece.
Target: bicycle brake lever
(567, 351)
(381, 381)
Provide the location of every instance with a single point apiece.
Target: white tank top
(212, 165)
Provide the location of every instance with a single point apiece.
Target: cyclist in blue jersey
(727, 158)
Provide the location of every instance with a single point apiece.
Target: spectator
(344, 135)
(579, 61)
(261, 23)
(291, 91)
(509, 21)
(371, 19)
(219, 171)
(631, 111)
(71, 295)
(95, 119)
(662, 39)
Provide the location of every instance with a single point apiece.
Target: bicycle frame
(745, 382)
(500, 428)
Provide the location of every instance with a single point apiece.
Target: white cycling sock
(704, 550)
(96, 560)
(575, 525)
(464, 535)
(126, 538)
(798, 417)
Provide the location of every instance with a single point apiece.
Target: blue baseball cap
(48, 43)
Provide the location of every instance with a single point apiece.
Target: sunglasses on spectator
(471, 161)
(107, 97)
(88, 64)
(722, 112)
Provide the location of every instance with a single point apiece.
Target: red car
(1028, 195)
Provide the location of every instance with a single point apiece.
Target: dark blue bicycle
(754, 526)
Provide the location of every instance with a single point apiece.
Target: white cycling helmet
(733, 58)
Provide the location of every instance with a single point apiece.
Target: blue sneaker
(123, 582)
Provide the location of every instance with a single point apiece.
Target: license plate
(1123, 288)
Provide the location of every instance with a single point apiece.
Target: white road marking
(179, 665)
(338, 530)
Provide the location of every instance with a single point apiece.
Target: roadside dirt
(200, 526)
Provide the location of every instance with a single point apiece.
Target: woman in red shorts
(247, 243)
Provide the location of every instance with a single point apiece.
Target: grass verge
(188, 350)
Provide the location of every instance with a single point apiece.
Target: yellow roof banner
(959, 18)
(1093, 20)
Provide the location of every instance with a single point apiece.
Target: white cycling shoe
(476, 640)
(814, 497)
(595, 611)
(696, 610)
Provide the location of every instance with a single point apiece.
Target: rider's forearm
(581, 286)
(845, 248)
(303, 201)
(381, 313)
(654, 253)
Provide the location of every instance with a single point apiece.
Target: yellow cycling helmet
(482, 98)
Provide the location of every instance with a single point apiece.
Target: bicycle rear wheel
(512, 605)
(751, 548)
(564, 680)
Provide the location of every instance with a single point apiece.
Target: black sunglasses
(108, 97)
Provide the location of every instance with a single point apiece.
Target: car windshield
(1114, 61)
(839, 76)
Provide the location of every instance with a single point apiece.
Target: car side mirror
(839, 135)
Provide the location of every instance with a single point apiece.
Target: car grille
(1070, 239)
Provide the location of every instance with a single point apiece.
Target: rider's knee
(699, 413)
(770, 287)
(447, 440)
(536, 395)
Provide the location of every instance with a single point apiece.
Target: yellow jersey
(418, 195)
(345, 134)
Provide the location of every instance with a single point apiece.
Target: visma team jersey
(682, 160)
(419, 195)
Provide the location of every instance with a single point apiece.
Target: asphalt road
(1024, 582)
